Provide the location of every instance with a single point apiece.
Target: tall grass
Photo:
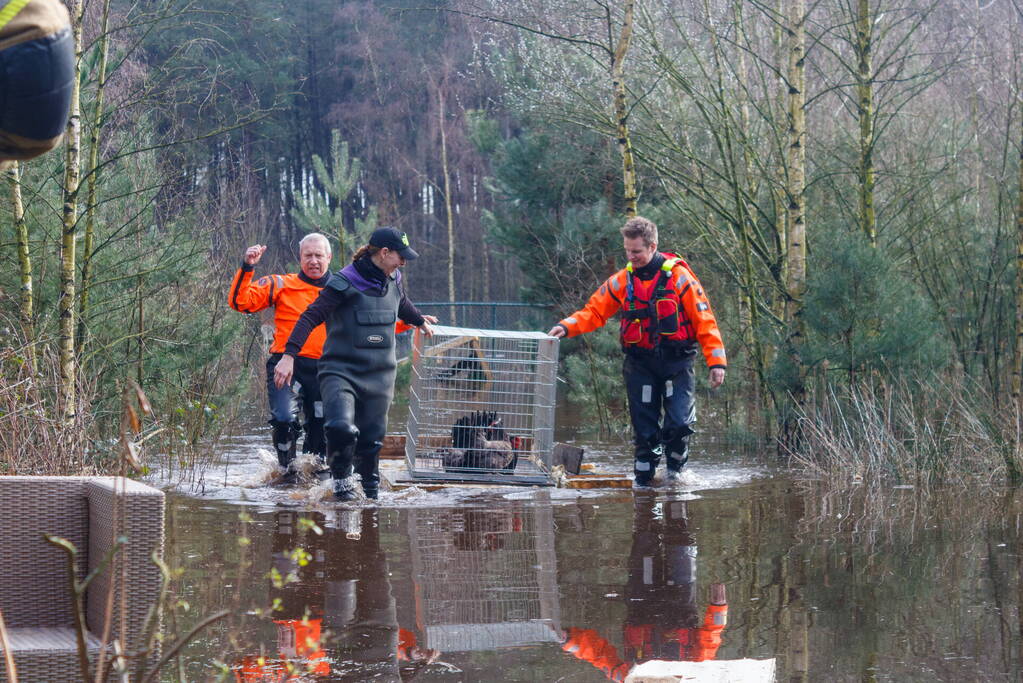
(945, 431)
(34, 438)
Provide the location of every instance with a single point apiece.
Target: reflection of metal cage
(500, 385)
(485, 579)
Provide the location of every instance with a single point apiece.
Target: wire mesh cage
(481, 406)
(485, 579)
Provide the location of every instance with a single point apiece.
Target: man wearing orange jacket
(289, 295)
(664, 317)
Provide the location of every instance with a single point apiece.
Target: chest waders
(356, 374)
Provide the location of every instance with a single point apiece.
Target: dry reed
(947, 432)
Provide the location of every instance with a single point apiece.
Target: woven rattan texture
(34, 595)
(33, 573)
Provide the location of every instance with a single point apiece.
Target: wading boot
(341, 442)
(368, 467)
(344, 490)
(285, 438)
(645, 465)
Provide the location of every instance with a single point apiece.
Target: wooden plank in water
(598, 480)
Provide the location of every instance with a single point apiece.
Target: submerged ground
(541, 584)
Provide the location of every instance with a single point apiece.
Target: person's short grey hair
(637, 226)
(313, 237)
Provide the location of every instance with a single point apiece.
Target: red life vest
(652, 313)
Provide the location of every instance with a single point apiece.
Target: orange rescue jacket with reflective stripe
(289, 295)
(611, 296)
(647, 641)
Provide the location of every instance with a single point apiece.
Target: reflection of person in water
(341, 604)
(296, 590)
(663, 621)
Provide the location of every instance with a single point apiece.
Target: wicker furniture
(35, 599)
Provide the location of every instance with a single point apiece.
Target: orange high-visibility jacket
(301, 655)
(694, 644)
(588, 645)
(610, 298)
(289, 295)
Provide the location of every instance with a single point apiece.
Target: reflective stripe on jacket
(289, 295)
(694, 309)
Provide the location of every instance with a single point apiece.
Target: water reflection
(501, 591)
(485, 579)
(334, 612)
(662, 618)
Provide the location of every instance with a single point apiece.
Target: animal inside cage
(482, 406)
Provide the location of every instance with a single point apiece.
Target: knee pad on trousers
(341, 439)
(676, 447)
(340, 435)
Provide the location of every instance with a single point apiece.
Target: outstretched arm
(602, 304)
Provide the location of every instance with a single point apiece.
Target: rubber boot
(314, 441)
(341, 472)
(341, 442)
(676, 449)
(285, 439)
(644, 466)
(369, 470)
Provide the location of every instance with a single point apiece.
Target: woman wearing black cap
(360, 304)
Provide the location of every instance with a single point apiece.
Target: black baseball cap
(394, 239)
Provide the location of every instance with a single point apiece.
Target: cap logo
(404, 239)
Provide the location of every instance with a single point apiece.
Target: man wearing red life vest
(289, 295)
(664, 318)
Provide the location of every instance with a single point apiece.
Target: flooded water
(542, 584)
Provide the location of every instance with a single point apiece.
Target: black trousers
(662, 406)
(284, 402)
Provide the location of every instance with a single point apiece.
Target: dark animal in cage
(468, 369)
(479, 441)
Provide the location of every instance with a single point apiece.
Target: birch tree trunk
(1017, 359)
(90, 205)
(447, 202)
(748, 301)
(72, 170)
(795, 283)
(621, 109)
(25, 303)
(865, 110)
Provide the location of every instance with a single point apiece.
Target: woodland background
(843, 176)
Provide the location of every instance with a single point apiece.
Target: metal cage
(485, 579)
(482, 406)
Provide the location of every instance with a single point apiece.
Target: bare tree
(69, 230)
(795, 284)
(98, 120)
(25, 300)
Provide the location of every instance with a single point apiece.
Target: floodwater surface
(544, 584)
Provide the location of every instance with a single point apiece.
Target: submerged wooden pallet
(398, 477)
